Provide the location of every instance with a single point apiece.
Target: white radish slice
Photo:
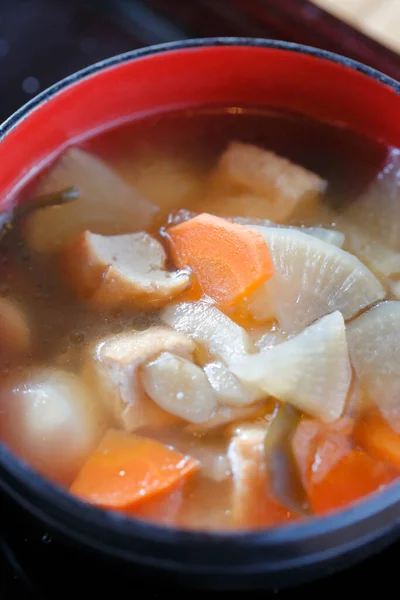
(265, 337)
(311, 371)
(208, 326)
(228, 388)
(331, 236)
(313, 278)
(106, 203)
(179, 387)
(52, 421)
(374, 344)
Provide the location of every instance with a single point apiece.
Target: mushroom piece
(52, 421)
(210, 327)
(311, 279)
(106, 203)
(311, 371)
(15, 333)
(229, 390)
(283, 185)
(179, 387)
(374, 344)
(111, 271)
(114, 370)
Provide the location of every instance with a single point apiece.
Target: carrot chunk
(229, 260)
(125, 470)
(356, 475)
(374, 434)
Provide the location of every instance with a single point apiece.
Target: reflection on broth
(199, 320)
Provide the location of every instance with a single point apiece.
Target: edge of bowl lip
(123, 525)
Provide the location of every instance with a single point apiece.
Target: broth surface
(168, 159)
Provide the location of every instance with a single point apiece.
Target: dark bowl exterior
(193, 73)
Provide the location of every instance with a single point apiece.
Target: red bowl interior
(210, 75)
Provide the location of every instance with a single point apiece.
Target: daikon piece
(311, 371)
(106, 205)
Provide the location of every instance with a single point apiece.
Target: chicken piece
(113, 369)
(283, 185)
(123, 269)
(179, 387)
(15, 334)
(252, 503)
(52, 420)
(106, 204)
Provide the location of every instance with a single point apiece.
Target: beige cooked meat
(106, 203)
(246, 454)
(15, 334)
(111, 271)
(113, 368)
(284, 185)
(180, 387)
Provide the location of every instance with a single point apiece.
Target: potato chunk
(50, 419)
(111, 271)
(113, 368)
(284, 185)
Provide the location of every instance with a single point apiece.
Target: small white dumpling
(312, 370)
(51, 420)
(374, 344)
(179, 387)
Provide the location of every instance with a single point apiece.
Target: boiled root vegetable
(229, 260)
(52, 420)
(15, 331)
(311, 370)
(312, 278)
(106, 203)
(352, 478)
(125, 470)
(375, 435)
(374, 344)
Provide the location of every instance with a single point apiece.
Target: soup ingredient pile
(228, 371)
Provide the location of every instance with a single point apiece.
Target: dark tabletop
(42, 41)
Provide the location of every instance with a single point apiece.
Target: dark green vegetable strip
(280, 462)
(54, 199)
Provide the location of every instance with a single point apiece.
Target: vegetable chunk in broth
(199, 319)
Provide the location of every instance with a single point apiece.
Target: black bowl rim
(53, 496)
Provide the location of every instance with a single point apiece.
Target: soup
(200, 315)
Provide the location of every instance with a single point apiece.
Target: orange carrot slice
(356, 475)
(230, 261)
(126, 469)
(374, 434)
